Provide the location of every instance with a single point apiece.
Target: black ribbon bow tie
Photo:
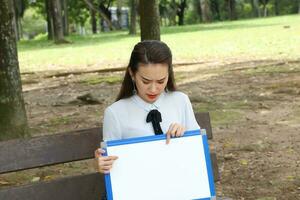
(154, 116)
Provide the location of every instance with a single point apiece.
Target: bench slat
(40, 151)
(82, 187)
(90, 186)
(21, 154)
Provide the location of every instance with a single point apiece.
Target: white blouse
(126, 118)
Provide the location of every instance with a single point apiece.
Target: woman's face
(151, 80)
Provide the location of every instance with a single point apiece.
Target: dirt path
(255, 110)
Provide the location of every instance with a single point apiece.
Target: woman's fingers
(169, 133)
(172, 130)
(104, 163)
(181, 131)
(168, 138)
(107, 160)
(175, 130)
(99, 152)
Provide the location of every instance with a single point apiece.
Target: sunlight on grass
(60, 120)
(106, 79)
(269, 38)
(224, 117)
(224, 113)
(273, 70)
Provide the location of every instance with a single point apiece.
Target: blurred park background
(239, 60)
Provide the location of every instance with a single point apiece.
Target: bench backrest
(22, 154)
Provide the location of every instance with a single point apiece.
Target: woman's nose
(153, 88)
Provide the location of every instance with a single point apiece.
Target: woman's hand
(175, 130)
(104, 163)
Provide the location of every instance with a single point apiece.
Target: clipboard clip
(103, 145)
(203, 131)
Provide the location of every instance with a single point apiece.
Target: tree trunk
(57, 22)
(298, 6)
(276, 7)
(18, 11)
(64, 5)
(13, 120)
(102, 13)
(197, 9)
(255, 8)
(15, 19)
(205, 11)
(93, 17)
(133, 13)
(93, 21)
(215, 9)
(265, 9)
(48, 7)
(20, 29)
(256, 4)
(119, 14)
(172, 13)
(231, 9)
(180, 12)
(149, 23)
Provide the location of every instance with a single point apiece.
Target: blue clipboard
(190, 138)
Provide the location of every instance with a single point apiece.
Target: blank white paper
(153, 170)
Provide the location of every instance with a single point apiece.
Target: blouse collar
(148, 106)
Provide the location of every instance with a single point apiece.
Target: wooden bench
(23, 154)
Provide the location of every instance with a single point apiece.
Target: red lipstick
(150, 96)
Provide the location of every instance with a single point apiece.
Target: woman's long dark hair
(147, 52)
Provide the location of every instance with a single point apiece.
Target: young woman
(148, 102)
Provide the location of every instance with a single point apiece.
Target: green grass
(224, 105)
(60, 120)
(107, 79)
(223, 113)
(269, 38)
(225, 117)
(279, 69)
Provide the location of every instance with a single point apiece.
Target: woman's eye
(161, 82)
(146, 82)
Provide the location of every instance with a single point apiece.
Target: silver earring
(134, 88)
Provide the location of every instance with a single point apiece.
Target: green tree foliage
(284, 7)
(78, 12)
(168, 11)
(243, 8)
(172, 12)
(33, 23)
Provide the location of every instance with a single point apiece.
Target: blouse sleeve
(111, 126)
(190, 120)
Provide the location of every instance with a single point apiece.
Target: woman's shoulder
(119, 105)
(177, 95)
